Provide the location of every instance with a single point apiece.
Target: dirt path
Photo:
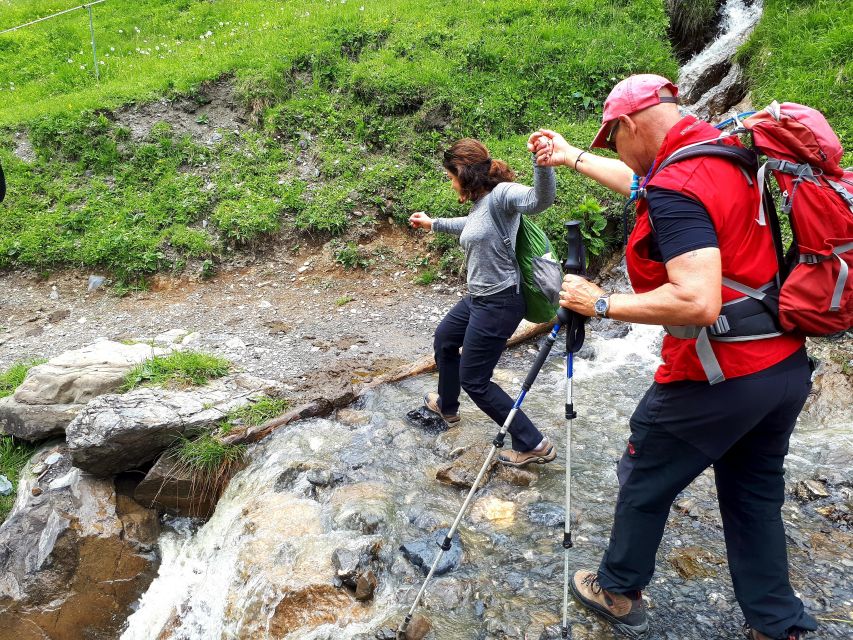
(284, 316)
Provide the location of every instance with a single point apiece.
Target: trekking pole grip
(575, 264)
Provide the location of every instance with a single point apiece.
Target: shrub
(350, 256)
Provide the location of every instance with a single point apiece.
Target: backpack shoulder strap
(745, 158)
(502, 231)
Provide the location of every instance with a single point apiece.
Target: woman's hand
(551, 149)
(420, 220)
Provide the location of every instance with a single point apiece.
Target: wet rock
(362, 506)
(365, 586)
(546, 514)
(463, 470)
(418, 628)
(351, 561)
(353, 417)
(308, 607)
(608, 328)
(53, 393)
(515, 476)
(172, 487)
(494, 510)
(115, 433)
(422, 552)
(587, 352)
(73, 555)
(688, 507)
(808, 490)
(423, 418)
(692, 562)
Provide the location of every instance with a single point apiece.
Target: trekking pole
(497, 443)
(575, 264)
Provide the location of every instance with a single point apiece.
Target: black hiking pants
(742, 427)
(481, 326)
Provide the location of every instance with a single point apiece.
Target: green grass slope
(374, 90)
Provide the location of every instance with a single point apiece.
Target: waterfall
(710, 82)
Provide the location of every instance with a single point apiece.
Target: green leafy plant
(425, 277)
(346, 299)
(351, 256)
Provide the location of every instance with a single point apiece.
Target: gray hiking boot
(625, 614)
(543, 454)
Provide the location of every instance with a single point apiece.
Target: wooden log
(325, 406)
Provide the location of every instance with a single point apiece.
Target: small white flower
(136, 29)
(112, 48)
(70, 61)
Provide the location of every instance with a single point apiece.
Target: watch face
(601, 305)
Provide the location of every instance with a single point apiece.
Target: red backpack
(803, 155)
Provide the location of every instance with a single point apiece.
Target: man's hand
(579, 295)
(420, 220)
(551, 148)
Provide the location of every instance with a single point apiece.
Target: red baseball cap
(633, 94)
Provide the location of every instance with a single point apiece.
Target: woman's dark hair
(478, 173)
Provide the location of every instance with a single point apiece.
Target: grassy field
(378, 88)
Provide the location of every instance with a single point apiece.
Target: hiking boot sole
(631, 631)
(429, 405)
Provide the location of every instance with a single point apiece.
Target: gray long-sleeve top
(490, 268)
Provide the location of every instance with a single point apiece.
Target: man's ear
(629, 123)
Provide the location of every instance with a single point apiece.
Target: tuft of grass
(346, 299)
(182, 368)
(12, 378)
(255, 413)
(425, 277)
(207, 455)
(14, 454)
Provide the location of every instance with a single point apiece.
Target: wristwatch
(602, 306)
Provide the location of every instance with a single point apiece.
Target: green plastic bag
(540, 275)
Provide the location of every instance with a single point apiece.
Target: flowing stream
(261, 566)
(709, 82)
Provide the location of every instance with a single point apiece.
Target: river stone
(421, 552)
(808, 490)
(427, 420)
(692, 562)
(352, 560)
(365, 586)
(418, 628)
(116, 433)
(53, 393)
(74, 557)
(170, 486)
(353, 417)
(361, 506)
(463, 470)
(546, 514)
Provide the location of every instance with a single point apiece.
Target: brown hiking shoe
(627, 615)
(541, 455)
(752, 634)
(432, 402)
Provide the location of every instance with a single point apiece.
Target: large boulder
(115, 433)
(74, 555)
(54, 392)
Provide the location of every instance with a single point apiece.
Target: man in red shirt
(695, 248)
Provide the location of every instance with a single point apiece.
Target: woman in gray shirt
(483, 320)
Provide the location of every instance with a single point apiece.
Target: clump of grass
(183, 368)
(206, 454)
(14, 454)
(255, 413)
(425, 277)
(346, 299)
(12, 378)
